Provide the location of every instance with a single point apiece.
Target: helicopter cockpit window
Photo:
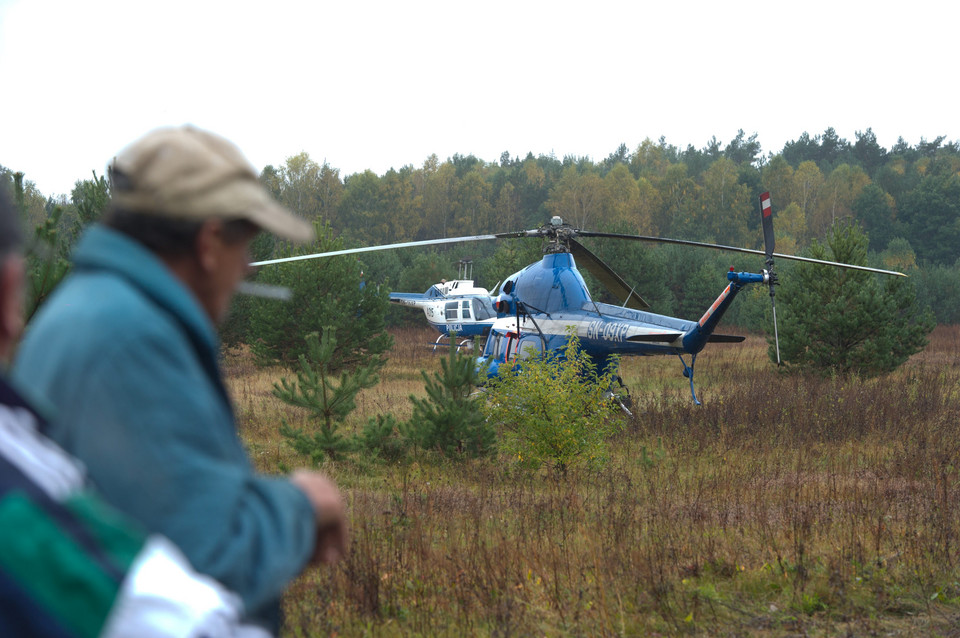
(465, 308)
(451, 311)
(483, 309)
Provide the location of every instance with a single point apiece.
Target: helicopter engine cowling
(505, 305)
(552, 285)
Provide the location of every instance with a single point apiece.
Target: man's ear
(208, 243)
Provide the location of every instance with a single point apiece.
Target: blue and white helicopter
(456, 307)
(538, 306)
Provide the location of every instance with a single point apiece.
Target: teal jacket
(129, 359)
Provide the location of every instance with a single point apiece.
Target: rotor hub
(557, 235)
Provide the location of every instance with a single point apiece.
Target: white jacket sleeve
(163, 597)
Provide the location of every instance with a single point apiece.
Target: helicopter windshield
(483, 308)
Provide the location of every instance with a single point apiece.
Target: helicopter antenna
(465, 269)
(596, 307)
(766, 221)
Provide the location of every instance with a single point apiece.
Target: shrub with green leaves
(553, 409)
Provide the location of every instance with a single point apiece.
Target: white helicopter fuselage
(456, 306)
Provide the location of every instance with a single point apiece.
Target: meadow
(784, 505)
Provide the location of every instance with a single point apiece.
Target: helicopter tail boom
(700, 334)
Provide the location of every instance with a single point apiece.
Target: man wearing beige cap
(127, 349)
(71, 565)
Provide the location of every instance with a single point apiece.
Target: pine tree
(326, 292)
(328, 401)
(45, 255)
(848, 321)
(450, 419)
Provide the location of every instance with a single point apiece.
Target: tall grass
(783, 505)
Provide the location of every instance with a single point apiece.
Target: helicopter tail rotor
(766, 221)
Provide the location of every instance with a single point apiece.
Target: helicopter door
(465, 310)
(529, 346)
(493, 347)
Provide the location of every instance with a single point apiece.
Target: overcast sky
(375, 85)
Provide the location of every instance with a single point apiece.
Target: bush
(553, 409)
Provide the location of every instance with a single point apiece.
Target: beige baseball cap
(187, 173)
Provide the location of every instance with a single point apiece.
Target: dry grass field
(783, 506)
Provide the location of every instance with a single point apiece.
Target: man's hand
(331, 543)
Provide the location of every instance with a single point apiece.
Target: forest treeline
(906, 198)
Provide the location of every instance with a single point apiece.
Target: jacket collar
(104, 249)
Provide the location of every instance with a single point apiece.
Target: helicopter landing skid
(688, 372)
(621, 394)
(466, 344)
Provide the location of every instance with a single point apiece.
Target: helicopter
(539, 306)
(456, 307)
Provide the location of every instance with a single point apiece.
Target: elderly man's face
(11, 303)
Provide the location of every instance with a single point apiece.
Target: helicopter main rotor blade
(367, 249)
(700, 244)
(607, 276)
